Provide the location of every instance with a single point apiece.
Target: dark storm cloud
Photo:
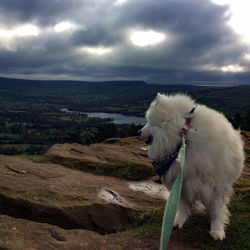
(197, 29)
(197, 36)
(177, 15)
(97, 35)
(41, 11)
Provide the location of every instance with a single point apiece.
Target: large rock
(72, 199)
(74, 208)
(124, 158)
(19, 234)
(23, 234)
(111, 151)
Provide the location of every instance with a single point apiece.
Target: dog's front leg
(219, 216)
(182, 213)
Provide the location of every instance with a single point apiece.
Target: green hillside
(117, 96)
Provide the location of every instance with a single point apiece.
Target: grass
(147, 224)
(133, 141)
(29, 156)
(195, 232)
(9, 135)
(74, 119)
(124, 170)
(114, 108)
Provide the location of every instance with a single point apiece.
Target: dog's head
(165, 118)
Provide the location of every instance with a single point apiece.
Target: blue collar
(163, 165)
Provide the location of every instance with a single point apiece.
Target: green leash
(173, 201)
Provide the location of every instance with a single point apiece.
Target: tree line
(241, 121)
(33, 132)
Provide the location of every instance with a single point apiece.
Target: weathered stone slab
(116, 150)
(19, 234)
(69, 198)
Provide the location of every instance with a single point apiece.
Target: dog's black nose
(149, 140)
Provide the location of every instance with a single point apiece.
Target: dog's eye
(149, 140)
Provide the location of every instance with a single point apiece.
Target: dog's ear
(158, 98)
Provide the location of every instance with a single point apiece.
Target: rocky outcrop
(48, 206)
(111, 151)
(23, 234)
(19, 234)
(123, 158)
(69, 198)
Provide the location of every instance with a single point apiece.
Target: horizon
(167, 42)
(222, 85)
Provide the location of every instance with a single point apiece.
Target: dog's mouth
(149, 140)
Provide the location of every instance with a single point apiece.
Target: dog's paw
(178, 223)
(180, 219)
(218, 235)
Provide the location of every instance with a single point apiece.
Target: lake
(118, 118)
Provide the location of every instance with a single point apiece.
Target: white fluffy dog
(214, 155)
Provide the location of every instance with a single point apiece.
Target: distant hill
(126, 97)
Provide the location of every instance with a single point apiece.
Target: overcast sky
(158, 41)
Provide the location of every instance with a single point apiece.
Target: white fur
(214, 155)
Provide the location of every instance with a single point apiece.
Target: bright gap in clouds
(25, 30)
(97, 50)
(6, 33)
(232, 68)
(146, 38)
(63, 26)
(240, 19)
(120, 2)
